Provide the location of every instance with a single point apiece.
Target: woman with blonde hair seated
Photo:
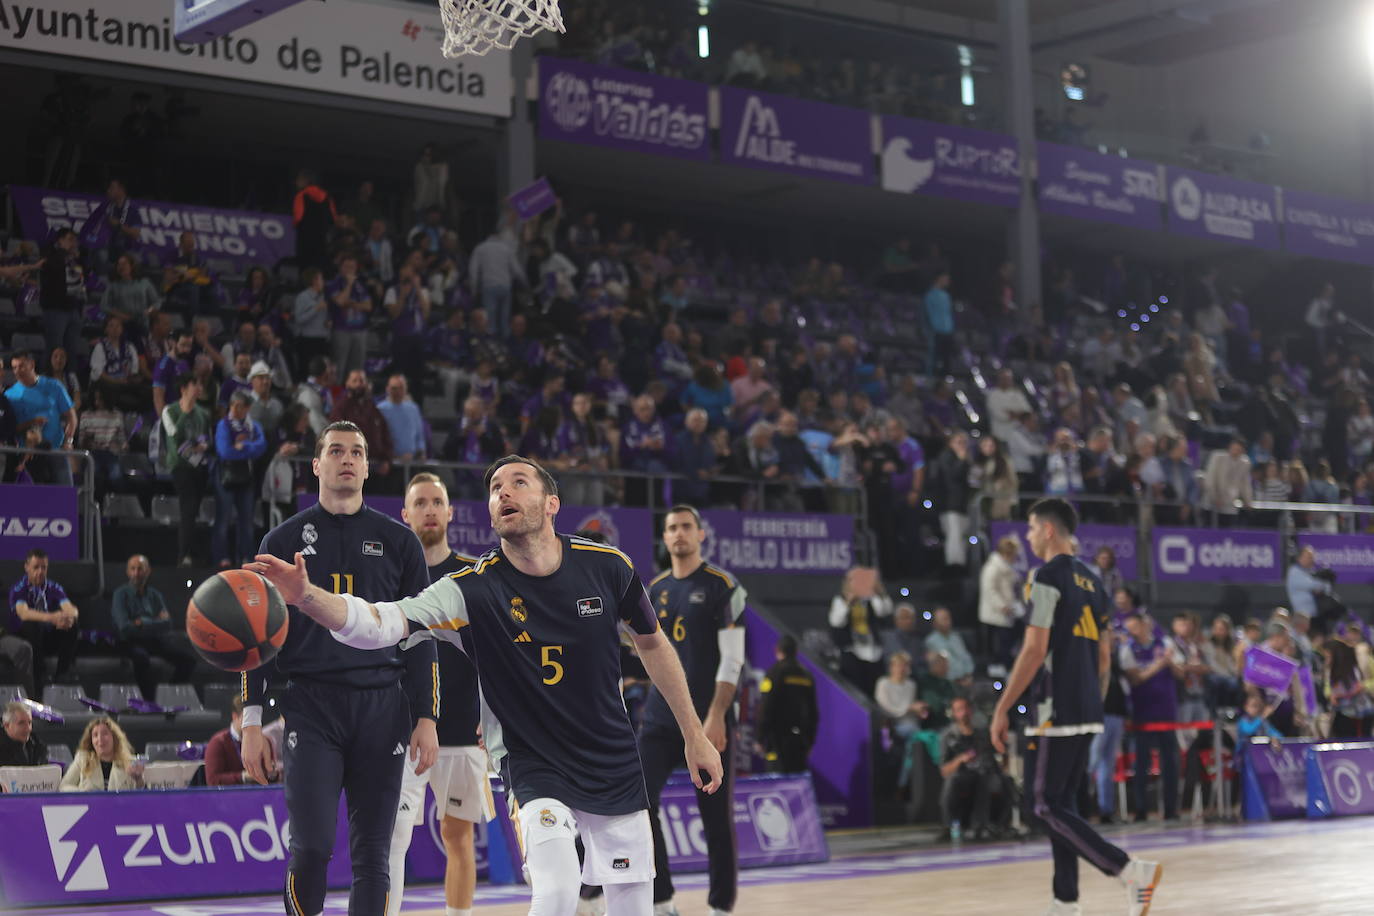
(104, 760)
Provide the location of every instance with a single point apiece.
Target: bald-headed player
(545, 611)
(1068, 626)
(462, 789)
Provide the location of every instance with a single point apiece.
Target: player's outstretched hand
(290, 579)
(998, 731)
(703, 757)
(424, 745)
(257, 755)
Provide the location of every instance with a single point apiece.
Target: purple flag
(1349, 556)
(1222, 208)
(1089, 185)
(1212, 555)
(245, 237)
(582, 103)
(784, 134)
(784, 543)
(38, 516)
(920, 157)
(1269, 670)
(776, 823)
(1091, 539)
(1328, 227)
(534, 199)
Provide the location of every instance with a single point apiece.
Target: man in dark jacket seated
(18, 746)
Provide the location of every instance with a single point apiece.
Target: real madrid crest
(308, 534)
(545, 815)
(517, 610)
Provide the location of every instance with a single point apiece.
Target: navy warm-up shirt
(1067, 598)
(461, 710)
(548, 657)
(367, 554)
(692, 612)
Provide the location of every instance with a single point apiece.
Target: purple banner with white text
(1215, 555)
(1268, 670)
(245, 237)
(779, 543)
(1222, 208)
(784, 134)
(1091, 539)
(1340, 779)
(583, 103)
(38, 516)
(1090, 185)
(1274, 779)
(1328, 227)
(1349, 556)
(534, 199)
(921, 157)
(776, 823)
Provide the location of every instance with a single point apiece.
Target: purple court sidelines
(917, 861)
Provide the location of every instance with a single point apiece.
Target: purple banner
(533, 200)
(245, 237)
(38, 516)
(582, 103)
(793, 135)
(632, 530)
(1340, 779)
(776, 823)
(1212, 555)
(1269, 670)
(1222, 208)
(1309, 691)
(1328, 227)
(1091, 539)
(1349, 556)
(920, 157)
(1275, 779)
(1089, 185)
(779, 543)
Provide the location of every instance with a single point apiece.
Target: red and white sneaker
(1141, 878)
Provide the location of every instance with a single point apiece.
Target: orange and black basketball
(236, 620)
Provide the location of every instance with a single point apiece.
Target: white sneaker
(1060, 908)
(594, 907)
(1141, 878)
(716, 912)
(666, 909)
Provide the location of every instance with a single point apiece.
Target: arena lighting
(1153, 307)
(926, 615)
(703, 41)
(1135, 326)
(972, 539)
(188, 583)
(996, 685)
(927, 504)
(1144, 318)
(1021, 710)
(905, 591)
(1121, 313)
(1163, 300)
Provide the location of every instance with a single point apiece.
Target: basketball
(236, 620)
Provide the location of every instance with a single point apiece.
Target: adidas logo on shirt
(523, 637)
(400, 749)
(308, 551)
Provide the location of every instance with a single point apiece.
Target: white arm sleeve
(363, 630)
(252, 716)
(731, 641)
(839, 611)
(440, 606)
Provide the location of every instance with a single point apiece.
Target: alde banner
(1216, 555)
(1274, 779)
(1349, 556)
(922, 157)
(1340, 779)
(1120, 539)
(1089, 185)
(784, 134)
(1222, 208)
(38, 516)
(777, 542)
(246, 237)
(623, 109)
(776, 823)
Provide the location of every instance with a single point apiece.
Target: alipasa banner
(779, 543)
(1089, 185)
(38, 516)
(1091, 539)
(245, 237)
(1328, 227)
(384, 51)
(776, 823)
(1349, 556)
(1216, 555)
(1340, 779)
(1223, 208)
(784, 134)
(601, 106)
(921, 157)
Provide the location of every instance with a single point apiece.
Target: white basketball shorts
(619, 847)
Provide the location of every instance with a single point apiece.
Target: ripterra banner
(38, 516)
(1216, 555)
(921, 157)
(1222, 208)
(784, 134)
(246, 237)
(1090, 185)
(602, 106)
(1091, 539)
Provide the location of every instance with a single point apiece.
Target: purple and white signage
(784, 134)
(1340, 779)
(583, 103)
(1222, 208)
(245, 237)
(1089, 185)
(1213, 555)
(1274, 779)
(782, 543)
(534, 199)
(920, 157)
(1269, 670)
(1349, 556)
(1091, 539)
(38, 516)
(776, 823)
(1328, 227)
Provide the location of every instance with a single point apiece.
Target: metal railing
(88, 510)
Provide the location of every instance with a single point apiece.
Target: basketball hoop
(477, 26)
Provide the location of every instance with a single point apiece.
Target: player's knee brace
(551, 865)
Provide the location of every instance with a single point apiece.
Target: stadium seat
(195, 715)
(162, 750)
(117, 696)
(64, 698)
(23, 341)
(60, 754)
(206, 516)
(123, 506)
(219, 694)
(10, 692)
(165, 510)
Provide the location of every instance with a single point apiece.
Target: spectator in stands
(404, 420)
(895, 694)
(104, 760)
(101, 432)
(62, 292)
(1304, 585)
(115, 223)
(236, 382)
(129, 296)
(644, 439)
(1178, 480)
(239, 441)
(998, 487)
(117, 368)
(477, 440)
(255, 298)
(187, 429)
(998, 610)
(585, 448)
(749, 390)
(935, 689)
(947, 641)
(408, 305)
(1147, 663)
(19, 746)
(695, 457)
(856, 617)
(1351, 704)
(973, 779)
(223, 752)
(1106, 745)
(44, 617)
(357, 407)
(1226, 485)
(1190, 670)
(1006, 405)
(264, 409)
(1127, 409)
(42, 403)
(709, 391)
(172, 366)
(310, 320)
(1319, 317)
(938, 316)
(1223, 669)
(1064, 465)
(746, 67)
(551, 394)
(314, 215)
(1322, 488)
(493, 274)
(60, 368)
(245, 341)
(160, 339)
(950, 493)
(316, 393)
(350, 304)
(145, 629)
(186, 281)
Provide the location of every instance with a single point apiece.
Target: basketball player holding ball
(546, 612)
(348, 721)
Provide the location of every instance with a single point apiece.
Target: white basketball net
(477, 26)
